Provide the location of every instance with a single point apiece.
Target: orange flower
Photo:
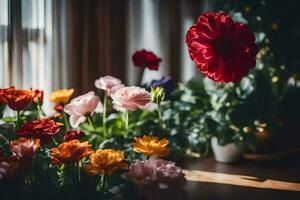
(61, 96)
(105, 161)
(70, 152)
(3, 99)
(8, 166)
(151, 146)
(18, 99)
(25, 147)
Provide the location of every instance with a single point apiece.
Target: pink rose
(109, 84)
(82, 105)
(132, 98)
(156, 178)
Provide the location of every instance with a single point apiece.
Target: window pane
(33, 14)
(3, 43)
(3, 12)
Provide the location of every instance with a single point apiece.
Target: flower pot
(227, 153)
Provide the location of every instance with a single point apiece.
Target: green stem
(68, 127)
(104, 117)
(89, 118)
(161, 122)
(39, 109)
(18, 120)
(54, 141)
(127, 119)
(78, 172)
(103, 185)
(126, 122)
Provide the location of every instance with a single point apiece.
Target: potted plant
(232, 119)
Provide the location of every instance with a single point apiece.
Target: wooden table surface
(210, 180)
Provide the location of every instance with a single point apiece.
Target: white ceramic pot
(225, 154)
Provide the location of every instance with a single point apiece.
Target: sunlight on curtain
(4, 79)
(144, 33)
(36, 15)
(188, 69)
(150, 40)
(154, 29)
(38, 45)
(33, 26)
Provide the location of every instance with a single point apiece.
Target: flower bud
(157, 94)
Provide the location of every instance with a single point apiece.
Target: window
(3, 43)
(22, 42)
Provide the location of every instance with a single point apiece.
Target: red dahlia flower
(222, 49)
(146, 59)
(43, 129)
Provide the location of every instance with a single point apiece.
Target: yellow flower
(151, 146)
(105, 161)
(61, 96)
(70, 152)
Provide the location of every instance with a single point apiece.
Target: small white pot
(225, 154)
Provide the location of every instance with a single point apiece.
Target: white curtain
(35, 55)
(37, 51)
(4, 79)
(150, 28)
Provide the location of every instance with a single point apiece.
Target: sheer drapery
(4, 75)
(98, 41)
(52, 44)
(32, 53)
(160, 26)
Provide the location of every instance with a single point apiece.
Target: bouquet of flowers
(105, 143)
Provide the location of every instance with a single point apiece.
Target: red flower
(58, 108)
(147, 59)
(222, 49)
(43, 129)
(72, 135)
(38, 96)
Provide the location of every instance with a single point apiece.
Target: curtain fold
(69, 43)
(160, 26)
(98, 34)
(4, 19)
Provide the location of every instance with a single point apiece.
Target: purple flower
(155, 178)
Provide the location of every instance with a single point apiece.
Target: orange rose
(70, 152)
(18, 99)
(3, 99)
(25, 147)
(151, 146)
(105, 161)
